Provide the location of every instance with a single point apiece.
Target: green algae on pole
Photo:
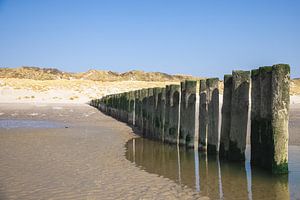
(261, 130)
(172, 113)
(189, 123)
(255, 117)
(125, 104)
(137, 108)
(203, 115)
(157, 114)
(239, 115)
(150, 112)
(131, 109)
(144, 96)
(213, 115)
(226, 117)
(280, 116)
(167, 113)
(270, 134)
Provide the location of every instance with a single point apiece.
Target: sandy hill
(37, 73)
(33, 84)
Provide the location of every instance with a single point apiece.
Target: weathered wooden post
(172, 119)
(239, 115)
(144, 96)
(131, 108)
(255, 135)
(110, 105)
(213, 115)
(114, 104)
(183, 114)
(189, 123)
(158, 109)
(124, 106)
(162, 108)
(167, 114)
(270, 135)
(280, 117)
(226, 116)
(104, 104)
(138, 107)
(107, 104)
(150, 111)
(203, 115)
(110, 101)
(118, 106)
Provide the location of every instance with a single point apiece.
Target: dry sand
(82, 91)
(81, 158)
(65, 91)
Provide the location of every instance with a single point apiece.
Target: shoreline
(89, 154)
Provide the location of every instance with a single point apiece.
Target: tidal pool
(212, 177)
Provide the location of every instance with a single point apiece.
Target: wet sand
(73, 151)
(81, 156)
(213, 177)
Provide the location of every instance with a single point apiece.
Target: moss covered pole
(213, 115)
(157, 122)
(131, 107)
(269, 133)
(203, 115)
(150, 112)
(239, 115)
(144, 96)
(255, 117)
(172, 119)
(189, 123)
(167, 114)
(137, 109)
(162, 108)
(226, 116)
(280, 117)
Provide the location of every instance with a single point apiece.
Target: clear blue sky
(204, 38)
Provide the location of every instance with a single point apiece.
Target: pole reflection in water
(178, 164)
(211, 177)
(220, 179)
(203, 173)
(197, 178)
(133, 149)
(248, 172)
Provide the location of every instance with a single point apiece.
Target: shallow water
(214, 178)
(84, 161)
(22, 123)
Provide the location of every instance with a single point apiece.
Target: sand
(294, 124)
(81, 157)
(80, 153)
(65, 91)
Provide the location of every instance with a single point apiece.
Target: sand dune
(65, 91)
(82, 91)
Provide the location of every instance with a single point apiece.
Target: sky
(202, 38)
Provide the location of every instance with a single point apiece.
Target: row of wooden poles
(189, 115)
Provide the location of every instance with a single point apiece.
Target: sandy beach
(109, 100)
(80, 157)
(66, 91)
(53, 146)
